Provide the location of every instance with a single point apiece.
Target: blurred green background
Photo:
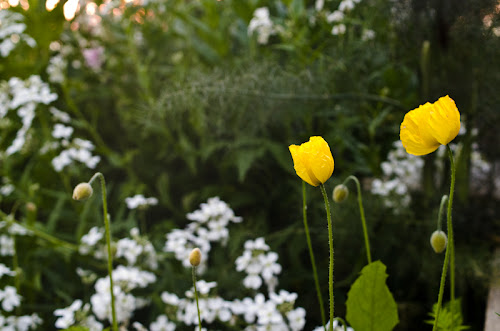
(187, 104)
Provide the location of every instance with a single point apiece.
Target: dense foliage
(187, 100)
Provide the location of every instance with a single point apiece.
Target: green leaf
(370, 305)
(447, 320)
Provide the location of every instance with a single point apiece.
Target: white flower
(56, 68)
(10, 298)
(318, 5)
(129, 249)
(262, 25)
(6, 245)
(62, 131)
(346, 5)
(284, 296)
(170, 299)
(297, 318)
(368, 35)
(67, 315)
(252, 281)
(269, 267)
(257, 244)
(338, 29)
(139, 201)
(60, 115)
(336, 16)
(93, 236)
(162, 324)
(4, 270)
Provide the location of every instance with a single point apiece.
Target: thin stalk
(41, 234)
(363, 218)
(341, 320)
(196, 297)
(449, 249)
(311, 254)
(444, 199)
(451, 238)
(330, 244)
(108, 244)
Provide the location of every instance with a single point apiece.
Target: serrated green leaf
(370, 304)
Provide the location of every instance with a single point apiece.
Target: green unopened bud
(82, 191)
(438, 241)
(195, 257)
(340, 193)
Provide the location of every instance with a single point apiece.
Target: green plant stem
(341, 320)
(449, 249)
(330, 244)
(444, 199)
(108, 243)
(363, 218)
(311, 254)
(196, 297)
(451, 238)
(41, 234)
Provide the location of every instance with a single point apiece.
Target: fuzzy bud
(195, 257)
(438, 241)
(82, 191)
(340, 193)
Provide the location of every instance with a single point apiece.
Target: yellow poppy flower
(427, 127)
(313, 161)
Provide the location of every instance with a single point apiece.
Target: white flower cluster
(276, 313)
(76, 150)
(56, 69)
(262, 25)
(9, 300)
(140, 202)
(259, 264)
(12, 32)
(20, 323)
(402, 173)
(6, 240)
(337, 17)
(7, 188)
(137, 249)
(336, 327)
(93, 243)
(78, 314)
(23, 96)
(209, 225)
(125, 279)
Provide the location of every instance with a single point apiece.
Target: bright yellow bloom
(427, 127)
(313, 161)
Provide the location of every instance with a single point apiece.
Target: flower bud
(82, 191)
(195, 257)
(438, 241)
(31, 207)
(340, 193)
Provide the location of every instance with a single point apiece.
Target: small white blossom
(139, 201)
(338, 29)
(162, 324)
(9, 297)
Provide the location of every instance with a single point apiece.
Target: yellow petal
(313, 161)
(444, 120)
(321, 163)
(299, 165)
(427, 127)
